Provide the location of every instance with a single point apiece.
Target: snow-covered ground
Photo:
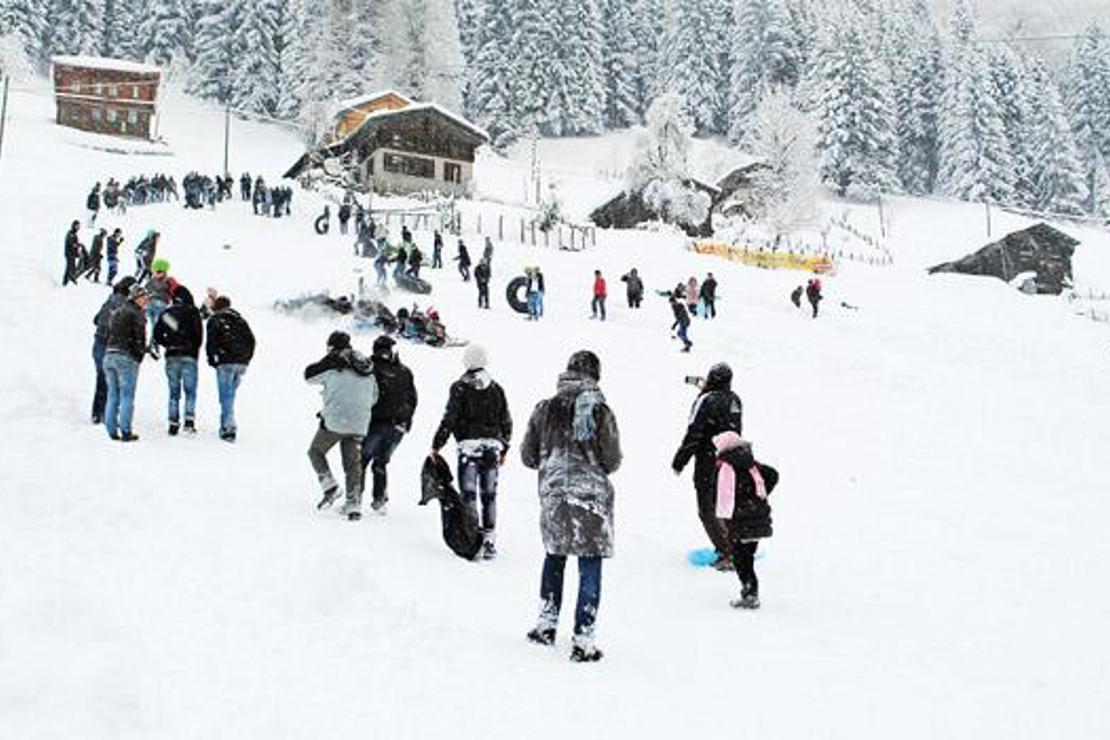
(938, 568)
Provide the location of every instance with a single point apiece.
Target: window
(412, 166)
(113, 91)
(96, 89)
(111, 115)
(135, 93)
(452, 172)
(133, 117)
(97, 114)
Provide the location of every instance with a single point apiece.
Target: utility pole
(987, 204)
(4, 111)
(882, 221)
(227, 136)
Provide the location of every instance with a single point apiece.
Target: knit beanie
(474, 357)
(160, 265)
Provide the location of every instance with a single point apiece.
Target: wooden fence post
(500, 227)
(533, 233)
(479, 222)
(522, 231)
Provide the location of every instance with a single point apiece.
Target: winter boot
(128, 437)
(749, 598)
(489, 546)
(542, 635)
(584, 651)
(174, 427)
(351, 510)
(723, 563)
(189, 427)
(380, 506)
(328, 499)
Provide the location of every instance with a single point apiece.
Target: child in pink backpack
(743, 486)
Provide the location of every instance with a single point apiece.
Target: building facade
(107, 96)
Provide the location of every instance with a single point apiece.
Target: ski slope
(939, 561)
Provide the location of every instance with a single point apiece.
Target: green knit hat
(160, 265)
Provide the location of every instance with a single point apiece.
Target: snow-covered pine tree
(784, 139)
(534, 57)
(850, 97)
(292, 61)
(648, 26)
(1088, 102)
(913, 56)
(764, 53)
(661, 166)
(1056, 173)
(78, 28)
(1016, 101)
(254, 76)
(468, 14)
(444, 61)
(493, 94)
(578, 89)
(358, 41)
(215, 50)
(690, 62)
(164, 32)
(622, 106)
(975, 161)
(26, 19)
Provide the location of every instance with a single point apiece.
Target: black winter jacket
(180, 331)
(104, 315)
(396, 394)
(476, 409)
(230, 340)
(717, 410)
(751, 517)
(127, 331)
(681, 315)
(709, 290)
(481, 273)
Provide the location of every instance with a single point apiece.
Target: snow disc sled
(515, 294)
(704, 557)
(412, 284)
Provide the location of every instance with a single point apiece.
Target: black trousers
(714, 528)
(743, 559)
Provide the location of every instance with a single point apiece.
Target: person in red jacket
(597, 306)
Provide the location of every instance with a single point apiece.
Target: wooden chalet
(389, 143)
(108, 96)
(737, 187)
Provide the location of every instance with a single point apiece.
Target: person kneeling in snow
(349, 392)
(573, 442)
(743, 486)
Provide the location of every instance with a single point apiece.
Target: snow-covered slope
(936, 571)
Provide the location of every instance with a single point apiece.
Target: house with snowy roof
(389, 143)
(108, 96)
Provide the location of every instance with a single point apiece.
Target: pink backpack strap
(757, 478)
(726, 490)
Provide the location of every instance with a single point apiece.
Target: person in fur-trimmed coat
(743, 486)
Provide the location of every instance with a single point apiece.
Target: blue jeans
(154, 309)
(377, 449)
(181, 372)
(535, 304)
(682, 334)
(121, 373)
(589, 593)
(100, 395)
(227, 383)
(113, 268)
(479, 475)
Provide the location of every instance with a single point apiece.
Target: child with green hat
(161, 288)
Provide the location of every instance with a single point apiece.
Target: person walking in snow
(813, 294)
(437, 251)
(180, 332)
(463, 258)
(344, 216)
(96, 257)
(72, 252)
(743, 486)
(416, 258)
(380, 263)
(478, 417)
(634, 287)
(709, 296)
(716, 410)
(230, 348)
(481, 277)
(573, 443)
(112, 252)
(681, 325)
(597, 305)
(245, 186)
(796, 296)
(692, 296)
(123, 352)
(144, 255)
(119, 294)
(350, 392)
(487, 253)
(534, 291)
(93, 204)
(400, 262)
(391, 419)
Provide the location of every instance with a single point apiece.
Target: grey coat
(572, 440)
(348, 388)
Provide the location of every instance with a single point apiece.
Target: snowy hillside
(939, 554)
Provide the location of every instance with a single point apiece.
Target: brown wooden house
(387, 143)
(108, 96)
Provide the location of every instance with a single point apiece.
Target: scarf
(585, 427)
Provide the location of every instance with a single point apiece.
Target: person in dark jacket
(717, 409)
(245, 186)
(124, 350)
(796, 296)
(437, 251)
(813, 294)
(481, 277)
(350, 392)
(180, 333)
(709, 296)
(743, 487)
(573, 442)
(391, 418)
(114, 242)
(230, 347)
(634, 286)
(463, 258)
(96, 256)
(100, 344)
(478, 417)
(416, 258)
(72, 253)
(344, 216)
(144, 255)
(681, 322)
(93, 204)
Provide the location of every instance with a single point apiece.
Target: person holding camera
(478, 417)
(716, 410)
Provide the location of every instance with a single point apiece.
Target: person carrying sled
(813, 293)
(478, 417)
(391, 418)
(350, 392)
(481, 277)
(180, 332)
(681, 325)
(597, 305)
(72, 253)
(230, 348)
(573, 443)
(634, 287)
(743, 486)
(716, 410)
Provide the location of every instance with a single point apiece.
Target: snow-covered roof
(370, 97)
(116, 65)
(413, 108)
